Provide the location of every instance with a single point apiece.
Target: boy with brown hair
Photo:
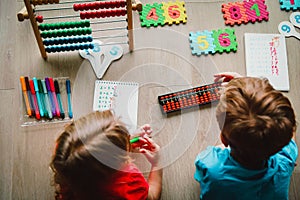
(257, 126)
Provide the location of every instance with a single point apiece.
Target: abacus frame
(28, 13)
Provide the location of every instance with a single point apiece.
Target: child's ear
(224, 140)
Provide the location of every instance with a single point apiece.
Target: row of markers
(43, 98)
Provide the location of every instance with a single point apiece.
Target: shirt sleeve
(201, 168)
(288, 155)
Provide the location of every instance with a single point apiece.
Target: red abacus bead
(107, 4)
(97, 5)
(82, 15)
(39, 18)
(91, 6)
(75, 7)
(88, 15)
(98, 14)
(108, 13)
(102, 4)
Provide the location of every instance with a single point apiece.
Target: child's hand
(140, 133)
(226, 77)
(150, 149)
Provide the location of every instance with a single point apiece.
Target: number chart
(244, 12)
(206, 42)
(163, 13)
(289, 5)
(184, 99)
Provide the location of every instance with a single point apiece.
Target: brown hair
(89, 150)
(256, 119)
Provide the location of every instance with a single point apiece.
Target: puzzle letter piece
(101, 57)
(174, 12)
(202, 42)
(152, 15)
(289, 5)
(256, 10)
(234, 13)
(225, 40)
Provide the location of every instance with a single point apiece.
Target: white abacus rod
(61, 17)
(52, 9)
(106, 37)
(109, 21)
(75, 16)
(114, 43)
(72, 2)
(110, 29)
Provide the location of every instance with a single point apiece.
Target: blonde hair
(89, 150)
(256, 119)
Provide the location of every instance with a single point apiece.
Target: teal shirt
(221, 177)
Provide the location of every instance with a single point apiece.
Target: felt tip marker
(25, 95)
(35, 103)
(37, 93)
(47, 100)
(54, 97)
(68, 86)
(134, 140)
(62, 112)
(42, 96)
(53, 110)
(29, 96)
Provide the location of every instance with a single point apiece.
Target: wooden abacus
(75, 35)
(184, 99)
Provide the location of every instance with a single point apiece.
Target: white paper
(266, 57)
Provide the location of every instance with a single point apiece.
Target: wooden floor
(161, 63)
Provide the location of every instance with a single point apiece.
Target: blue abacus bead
(72, 48)
(91, 46)
(46, 42)
(61, 48)
(47, 49)
(89, 39)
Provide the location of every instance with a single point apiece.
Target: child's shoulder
(213, 155)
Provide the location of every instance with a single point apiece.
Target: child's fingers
(152, 146)
(145, 129)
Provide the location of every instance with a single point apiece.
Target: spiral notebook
(120, 97)
(266, 56)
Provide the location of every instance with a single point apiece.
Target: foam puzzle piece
(101, 56)
(295, 19)
(174, 12)
(202, 42)
(289, 5)
(256, 10)
(224, 40)
(234, 13)
(287, 29)
(152, 15)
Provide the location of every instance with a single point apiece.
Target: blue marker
(68, 85)
(46, 99)
(50, 96)
(61, 109)
(42, 97)
(36, 88)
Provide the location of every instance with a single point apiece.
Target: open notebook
(121, 97)
(266, 57)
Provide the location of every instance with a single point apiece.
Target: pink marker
(54, 97)
(35, 103)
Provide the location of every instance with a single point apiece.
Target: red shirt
(128, 183)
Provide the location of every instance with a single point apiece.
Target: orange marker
(25, 95)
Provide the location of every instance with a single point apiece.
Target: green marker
(136, 139)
